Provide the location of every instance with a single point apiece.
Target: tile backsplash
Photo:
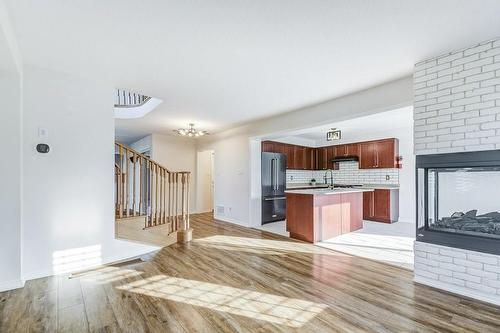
(348, 173)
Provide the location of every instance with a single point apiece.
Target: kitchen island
(313, 215)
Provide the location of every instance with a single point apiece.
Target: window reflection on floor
(272, 308)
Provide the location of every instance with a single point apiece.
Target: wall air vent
(220, 210)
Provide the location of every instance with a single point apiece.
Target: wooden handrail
(143, 187)
(147, 158)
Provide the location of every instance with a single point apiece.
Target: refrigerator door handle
(277, 174)
(273, 174)
(275, 198)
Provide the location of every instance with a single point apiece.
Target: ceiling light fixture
(191, 131)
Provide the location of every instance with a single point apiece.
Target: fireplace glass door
(464, 200)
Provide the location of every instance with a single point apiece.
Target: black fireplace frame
(487, 158)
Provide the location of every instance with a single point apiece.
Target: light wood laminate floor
(234, 279)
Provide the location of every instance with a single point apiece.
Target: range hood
(345, 158)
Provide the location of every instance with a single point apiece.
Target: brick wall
(457, 108)
(470, 273)
(457, 101)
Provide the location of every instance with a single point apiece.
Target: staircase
(151, 202)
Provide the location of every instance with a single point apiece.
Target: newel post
(185, 234)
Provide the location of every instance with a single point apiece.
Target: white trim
(10, 285)
(458, 290)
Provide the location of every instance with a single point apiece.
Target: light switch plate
(43, 133)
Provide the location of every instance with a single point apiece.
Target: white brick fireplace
(457, 109)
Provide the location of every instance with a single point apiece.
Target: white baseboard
(230, 220)
(407, 221)
(105, 261)
(458, 290)
(10, 285)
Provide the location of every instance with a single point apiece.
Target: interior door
(367, 156)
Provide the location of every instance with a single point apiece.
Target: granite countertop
(328, 191)
(304, 186)
(322, 185)
(382, 186)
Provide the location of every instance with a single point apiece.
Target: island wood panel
(327, 216)
(299, 222)
(352, 212)
(313, 218)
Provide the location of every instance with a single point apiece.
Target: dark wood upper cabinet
(372, 154)
(303, 158)
(290, 156)
(299, 157)
(366, 155)
(378, 154)
(322, 158)
(351, 149)
(386, 153)
(268, 146)
(308, 159)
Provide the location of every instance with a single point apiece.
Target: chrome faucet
(331, 177)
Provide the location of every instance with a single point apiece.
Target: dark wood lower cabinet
(381, 205)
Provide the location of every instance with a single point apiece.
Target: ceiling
(376, 126)
(223, 63)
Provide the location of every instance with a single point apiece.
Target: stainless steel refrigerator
(273, 178)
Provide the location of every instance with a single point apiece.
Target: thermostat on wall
(42, 148)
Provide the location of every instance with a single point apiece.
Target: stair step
(132, 228)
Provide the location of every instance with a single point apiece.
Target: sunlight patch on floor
(252, 304)
(107, 274)
(251, 244)
(387, 243)
(69, 260)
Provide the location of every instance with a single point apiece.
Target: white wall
(68, 193)
(204, 178)
(11, 166)
(143, 145)
(231, 177)
(237, 154)
(10, 180)
(177, 154)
